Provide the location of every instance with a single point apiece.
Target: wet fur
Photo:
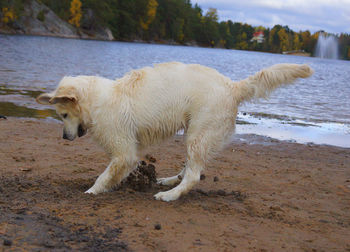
(149, 105)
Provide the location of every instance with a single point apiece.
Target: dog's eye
(64, 115)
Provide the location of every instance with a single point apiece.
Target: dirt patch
(283, 196)
(25, 222)
(142, 179)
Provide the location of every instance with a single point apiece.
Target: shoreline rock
(39, 20)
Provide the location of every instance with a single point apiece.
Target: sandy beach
(271, 196)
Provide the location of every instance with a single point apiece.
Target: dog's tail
(264, 82)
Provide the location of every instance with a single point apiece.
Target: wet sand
(266, 197)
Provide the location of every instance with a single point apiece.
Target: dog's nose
(81, 131)
(65, 135)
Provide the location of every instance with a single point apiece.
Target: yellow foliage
(305, 38)
(260, 28)
(228, 33)
(243, 45)
(315, 36)
(76, 14)
(8, 15)
(181, 36)
(296, 42)
(212, 15)
(271, 36)
(284, 40)
(180, 33)
(151, 14)
(305, 35)
(222, 42)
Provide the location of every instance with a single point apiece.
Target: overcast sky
(314, 15)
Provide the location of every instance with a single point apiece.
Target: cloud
(314, 15)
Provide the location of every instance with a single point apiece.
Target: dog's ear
(64, 95)
(44, 99)
(63, 99)
(49, 99)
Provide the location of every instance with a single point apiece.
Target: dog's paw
(168, 181)
(98, 189)
(166, 196)
(91, 191)
(160, 181)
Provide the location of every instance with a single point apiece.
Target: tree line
(180, 22)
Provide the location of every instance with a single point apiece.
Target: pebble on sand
(7, 242)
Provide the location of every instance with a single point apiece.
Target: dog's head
(66, 100)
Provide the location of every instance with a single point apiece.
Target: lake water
(313, 110)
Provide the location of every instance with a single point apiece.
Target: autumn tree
(178, 30)
(305, 40)
(150, 15)
(284, 40)
(344, 46)
(225, 35)
(296, 42)
(76, 13)
(243, 44)
(273, 41)
(8, 15)
(10, 11)
(210, 22)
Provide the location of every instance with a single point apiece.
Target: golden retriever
(148, 105)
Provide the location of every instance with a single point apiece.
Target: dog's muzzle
(81, 131)
(65, 136)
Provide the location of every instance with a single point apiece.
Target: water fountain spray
(327, 46)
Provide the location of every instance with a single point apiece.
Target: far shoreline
(137, 41)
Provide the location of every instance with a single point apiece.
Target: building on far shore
(258, 37)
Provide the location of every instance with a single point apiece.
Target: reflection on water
(30, 65)
(296, 130)
(8, 91)
(13, 103)
(11, 109)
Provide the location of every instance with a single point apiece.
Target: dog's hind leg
(191, 177)
(169, 181)
(200, 145)
(118, 169)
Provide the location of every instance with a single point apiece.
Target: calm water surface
(313, 110)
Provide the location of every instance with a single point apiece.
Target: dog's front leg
(117, 170)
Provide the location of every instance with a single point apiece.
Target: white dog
(148, 105)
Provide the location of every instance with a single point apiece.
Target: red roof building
(258, 37)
